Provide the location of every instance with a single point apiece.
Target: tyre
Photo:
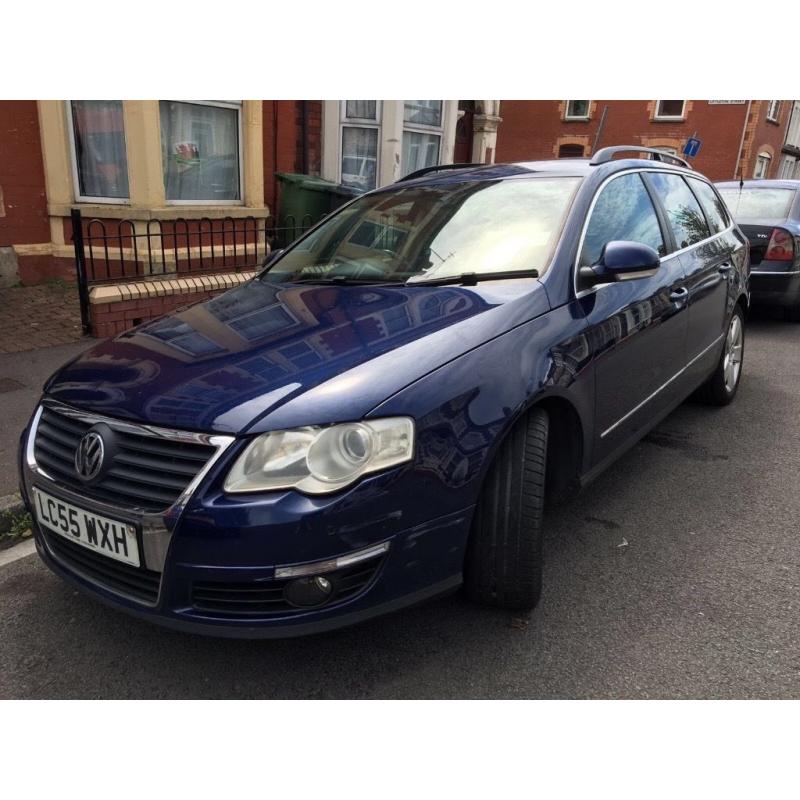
(504, 556)
(720, 388)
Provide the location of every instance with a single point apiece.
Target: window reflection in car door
(637, 332)
(705, 256)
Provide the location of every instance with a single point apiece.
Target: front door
(637, 327)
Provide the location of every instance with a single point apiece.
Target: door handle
(679, 295)
(725, 268)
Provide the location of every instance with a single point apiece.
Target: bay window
(360, 134)
(371, 143)
(201, 147)
(422, 134)
(98, 150)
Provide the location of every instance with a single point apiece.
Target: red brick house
(739, 137)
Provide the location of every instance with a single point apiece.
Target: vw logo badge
(89, 456)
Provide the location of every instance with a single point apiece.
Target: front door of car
(696, 217)
(637, 327)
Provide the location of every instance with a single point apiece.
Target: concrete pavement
(677, 574)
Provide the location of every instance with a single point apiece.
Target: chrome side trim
(768, 272)
(662, 387)
(576, 266)
(332, 564)
(156, 535)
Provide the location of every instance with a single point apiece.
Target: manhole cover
(10, 385)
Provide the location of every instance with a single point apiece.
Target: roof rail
(435, 168)
(606, 154)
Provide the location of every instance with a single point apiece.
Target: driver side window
(623, 212)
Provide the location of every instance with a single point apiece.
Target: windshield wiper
(472, 278)
(338, 280)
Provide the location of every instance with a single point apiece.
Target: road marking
(17, 552)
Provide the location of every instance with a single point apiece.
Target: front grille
(265, 599)
(147, 473)
(137, 582)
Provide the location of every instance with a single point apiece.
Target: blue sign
(692, 147)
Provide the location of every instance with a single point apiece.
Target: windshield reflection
(432, 232)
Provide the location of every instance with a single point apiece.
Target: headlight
(318, 460)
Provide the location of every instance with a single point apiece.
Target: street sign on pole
(692, 147)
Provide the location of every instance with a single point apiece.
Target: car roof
(573, 167)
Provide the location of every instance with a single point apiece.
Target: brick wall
(283, 142)
(23, 215)
(763, 135)
(23, 201)
(535, 129)
(118, 307)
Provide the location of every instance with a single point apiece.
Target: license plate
(110, 537)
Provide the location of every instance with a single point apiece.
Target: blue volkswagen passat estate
(381, 415)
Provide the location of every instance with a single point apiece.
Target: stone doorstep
(144, 289)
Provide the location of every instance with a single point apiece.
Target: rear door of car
(697, 221)
(637, 327)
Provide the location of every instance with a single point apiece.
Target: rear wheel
(504, 557)
(721, 387)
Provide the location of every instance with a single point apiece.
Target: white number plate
(110, 537)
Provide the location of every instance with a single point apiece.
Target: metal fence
(114, 251)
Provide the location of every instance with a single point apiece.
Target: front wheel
(721, 387)
(504, 556)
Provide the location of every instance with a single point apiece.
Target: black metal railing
(114, 251)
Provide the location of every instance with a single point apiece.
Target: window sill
(577, 119)
(773, 121)
(117, 211)
(668, 119)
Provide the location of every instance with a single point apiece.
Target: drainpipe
(275, 156)
(305, 136)
(741, 141)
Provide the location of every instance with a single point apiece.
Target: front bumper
(226, 548)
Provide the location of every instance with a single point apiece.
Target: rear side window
(716, 215)
(685, 215)
(623, 212)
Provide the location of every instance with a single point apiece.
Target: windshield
(754, 203)
(420, 233)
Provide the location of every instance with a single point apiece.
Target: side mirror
(622, 261)
(270, 257)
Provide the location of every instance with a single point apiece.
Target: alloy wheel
(732, 363)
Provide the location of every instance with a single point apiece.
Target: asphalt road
(675, 575)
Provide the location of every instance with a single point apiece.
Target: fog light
(308, 592)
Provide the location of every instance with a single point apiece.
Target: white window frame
(672, 117)
(434, 130)
(578, 117)
(358, 122)
(73, 153)
(773, 110)
(766, 160)
(787, 168)
(235, 105)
